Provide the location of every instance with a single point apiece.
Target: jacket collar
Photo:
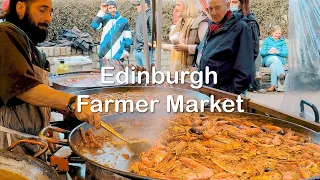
(250, 16)
(232, 20)
(115, 17)
(225, 18)
(147, 11)
(280, 39)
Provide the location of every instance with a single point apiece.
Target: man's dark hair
(11, 15)
(26, 24)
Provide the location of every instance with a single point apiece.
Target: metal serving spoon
(136, 146)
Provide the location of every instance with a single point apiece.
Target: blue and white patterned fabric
(116, 36)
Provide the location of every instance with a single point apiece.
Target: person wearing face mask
(243, 7)
(234, 5)
(273, 51)
(116, 36)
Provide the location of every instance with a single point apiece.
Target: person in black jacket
(243, 7)
(227, 49)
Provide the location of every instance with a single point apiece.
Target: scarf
(179, 58)
(214, 27)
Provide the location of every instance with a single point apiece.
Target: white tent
(303, 80)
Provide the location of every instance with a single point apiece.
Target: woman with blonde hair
(274, 51)
(187, 34)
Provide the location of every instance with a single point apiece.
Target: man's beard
(34, 32)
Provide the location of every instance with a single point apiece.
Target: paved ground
(271, 99)
(291, 102)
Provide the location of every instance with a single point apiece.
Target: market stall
(261, 142)
(302, 83)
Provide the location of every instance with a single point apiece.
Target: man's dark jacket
(138, 40)
(229, 52)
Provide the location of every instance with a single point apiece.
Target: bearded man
(26, 98)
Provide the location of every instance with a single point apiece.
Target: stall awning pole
(145, 35)
(159, 34)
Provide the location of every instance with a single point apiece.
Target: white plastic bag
(303, 80)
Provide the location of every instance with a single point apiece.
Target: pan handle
(314, 108)
(44, 132)
(28, 141)
(314, 178)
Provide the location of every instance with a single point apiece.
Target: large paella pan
(202, 146)
(17, 166)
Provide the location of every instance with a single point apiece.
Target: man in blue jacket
(227, 49)
(116, 36)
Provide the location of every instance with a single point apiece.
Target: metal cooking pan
(84, 80)
(147, 89)
(27, 166)
(118, 165)
(78, 81)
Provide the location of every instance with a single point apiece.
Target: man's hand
(86, 114)
(45, 96)
(180, 47)
(104, 7)
(126, 57)
(125, 54)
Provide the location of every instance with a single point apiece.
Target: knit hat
(137, 2)
(111, 2)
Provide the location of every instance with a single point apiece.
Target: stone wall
(53, 53)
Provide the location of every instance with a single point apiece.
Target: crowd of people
(220, 34)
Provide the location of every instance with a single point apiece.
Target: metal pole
(159, 34)
(145, 34)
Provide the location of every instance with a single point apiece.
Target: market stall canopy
(303, 80)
